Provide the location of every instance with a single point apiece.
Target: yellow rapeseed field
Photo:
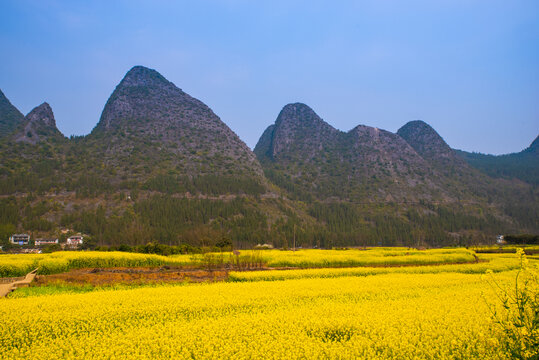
(495, 263)
(21, 264)
(367, 257)
(389, 316)
(407, 312)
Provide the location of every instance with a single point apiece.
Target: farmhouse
(19, 239)
(75, 240)
(41, 242)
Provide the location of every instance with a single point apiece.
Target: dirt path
(5, 289)
(9, 287)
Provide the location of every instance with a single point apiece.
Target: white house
(19, 239)
(75, 240)
(40, 242)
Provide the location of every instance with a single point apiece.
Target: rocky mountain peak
(425, 140)
(381, 141)
(39, 125)
(42, 114)
(301, 115)
(143, 76)
(10, 116)
(176, 126)
(143, 95)
(299, 127)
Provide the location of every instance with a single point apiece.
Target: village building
(19, 239)
(41, 242)
(264, 246)
(75, 240)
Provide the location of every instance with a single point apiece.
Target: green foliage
(6, 230)
(208, 184)
(522, 239)
(519, 318)
(521, 165)
(385, 224)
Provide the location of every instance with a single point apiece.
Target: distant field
(529, 249)
(17, 265)
(20, 264)
(495, 263)
(366, 257)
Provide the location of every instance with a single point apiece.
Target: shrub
(518, 318)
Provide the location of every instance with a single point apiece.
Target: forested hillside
(523, 165)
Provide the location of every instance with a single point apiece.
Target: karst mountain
(161, 166)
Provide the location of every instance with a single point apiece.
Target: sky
(468, 68)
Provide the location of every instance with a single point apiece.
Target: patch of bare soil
(103, 277)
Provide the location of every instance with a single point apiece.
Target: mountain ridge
(367, 167)
(523, 165)
(160, 166)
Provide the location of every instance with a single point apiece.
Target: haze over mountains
(161, 166)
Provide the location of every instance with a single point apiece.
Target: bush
(519, 318)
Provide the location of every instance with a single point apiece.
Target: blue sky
(469, 68)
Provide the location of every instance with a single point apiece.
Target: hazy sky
(468, 68)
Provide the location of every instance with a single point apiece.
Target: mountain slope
(10, 116)
(523, 165)
(297, 127)
(149, 119)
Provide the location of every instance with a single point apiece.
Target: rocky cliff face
(10, 117)
(39, 126)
